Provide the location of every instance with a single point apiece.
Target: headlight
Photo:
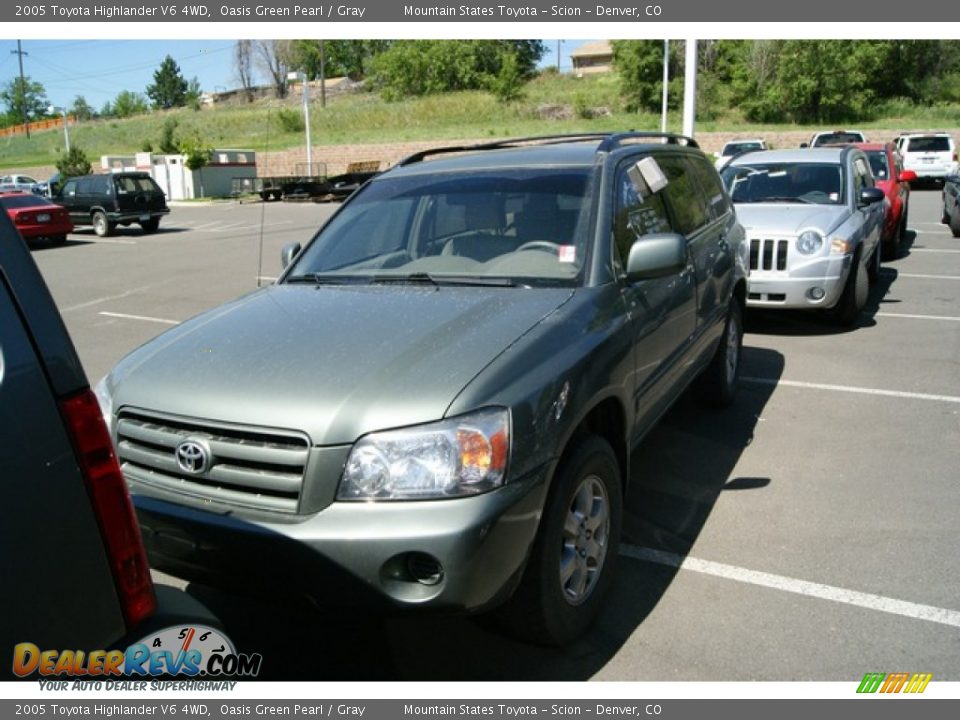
(809, 242)
(462, 456)
(105, 399)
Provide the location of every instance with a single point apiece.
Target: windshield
(838, 138)
(736, 148)
(878, 164)
(935, 143)
(522, 226)
(815, 183)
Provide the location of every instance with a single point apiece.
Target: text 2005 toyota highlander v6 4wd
(436, 403)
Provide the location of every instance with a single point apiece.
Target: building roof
(601, 47)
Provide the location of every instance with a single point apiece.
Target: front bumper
(458, 554)
(791, 288)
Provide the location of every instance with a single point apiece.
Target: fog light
(816, 293)
(424, 569)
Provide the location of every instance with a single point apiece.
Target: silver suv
(436, 404)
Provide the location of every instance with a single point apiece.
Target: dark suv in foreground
(74, 571)
(121, 198)
(437, 402)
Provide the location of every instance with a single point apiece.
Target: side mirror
(288, 253)
(908, 176)
(804, 145)
(869, 196)
(656, 256)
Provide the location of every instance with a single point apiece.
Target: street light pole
(306, 114)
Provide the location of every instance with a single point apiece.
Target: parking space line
(869, 601)
(910, 316)
(851, 389)
(108, 241)
(124, 316)
(933, 250)
(920, 276)
(99, 300)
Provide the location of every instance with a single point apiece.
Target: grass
(361, 117)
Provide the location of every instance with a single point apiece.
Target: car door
(872, 215)
(69, 198)
(662, 311)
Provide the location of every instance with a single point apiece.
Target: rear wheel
(718, 383)
(101, 226)
(150, 226)
(58, 239)
(572, 561)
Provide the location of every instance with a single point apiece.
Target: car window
(70, 188)
(686, 200)
(814, 183)
(861, 176)
(711, 185)
(22, 201)
(128, 184)
(635, 215)
(878, 164)
(928, 144)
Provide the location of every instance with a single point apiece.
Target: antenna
(263, 202)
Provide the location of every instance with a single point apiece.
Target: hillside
(550, 104)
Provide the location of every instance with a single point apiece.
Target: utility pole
(666, 84)
(23, 89)
(690, 89)
(323, 77)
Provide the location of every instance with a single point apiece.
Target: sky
(99, 69)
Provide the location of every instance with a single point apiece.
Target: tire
(572, 561)
(58, 239)
(955, 226)
(873, 269)
(855, 293)
(150, 226)
(101, 226)
(717, 385)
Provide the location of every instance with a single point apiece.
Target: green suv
(435, 405)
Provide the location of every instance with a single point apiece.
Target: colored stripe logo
(895, 682)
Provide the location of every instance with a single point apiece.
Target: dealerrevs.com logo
(895, 682)
(191, 651)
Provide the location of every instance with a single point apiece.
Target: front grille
(768, 254)
(254, 467)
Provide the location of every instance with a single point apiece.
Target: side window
(635, 216)
(85, 186)
(861, 177)
(711, 185)
(70, 188)
(686, 201)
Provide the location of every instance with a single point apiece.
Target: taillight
(112, 506)
(22, 219)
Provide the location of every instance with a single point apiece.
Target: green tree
(198, 156)
(25, 100)
(194, 92)
(508, 82)
(127, 104)
(169, 144)
(421, 67)
(169, 89)
(73, 163)
(639, 64)
(81, 109)
(341, 57)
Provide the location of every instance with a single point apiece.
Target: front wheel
(101, 226)
(718, 383)
(854, 297)
(573, 557)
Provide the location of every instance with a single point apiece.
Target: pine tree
(169, 89)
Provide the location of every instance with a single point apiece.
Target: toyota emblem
(193, 457)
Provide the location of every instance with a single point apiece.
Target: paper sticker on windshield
(568, 253)
(647, 177)
(834, 197)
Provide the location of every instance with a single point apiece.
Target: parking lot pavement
(807, 533)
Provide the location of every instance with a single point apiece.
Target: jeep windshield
(812, 183)
(526, 227)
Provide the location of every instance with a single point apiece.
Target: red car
(888, 172)
(36, 217)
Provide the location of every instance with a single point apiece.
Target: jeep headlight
(461, 456)
(809, 242)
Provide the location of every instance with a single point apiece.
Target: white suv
(932, 156)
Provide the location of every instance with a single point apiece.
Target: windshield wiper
(321, 279)
(785, 198)
(423, 278)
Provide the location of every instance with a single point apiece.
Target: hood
(790, 219)
(335, 362)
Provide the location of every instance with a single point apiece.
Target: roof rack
(609, 141)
